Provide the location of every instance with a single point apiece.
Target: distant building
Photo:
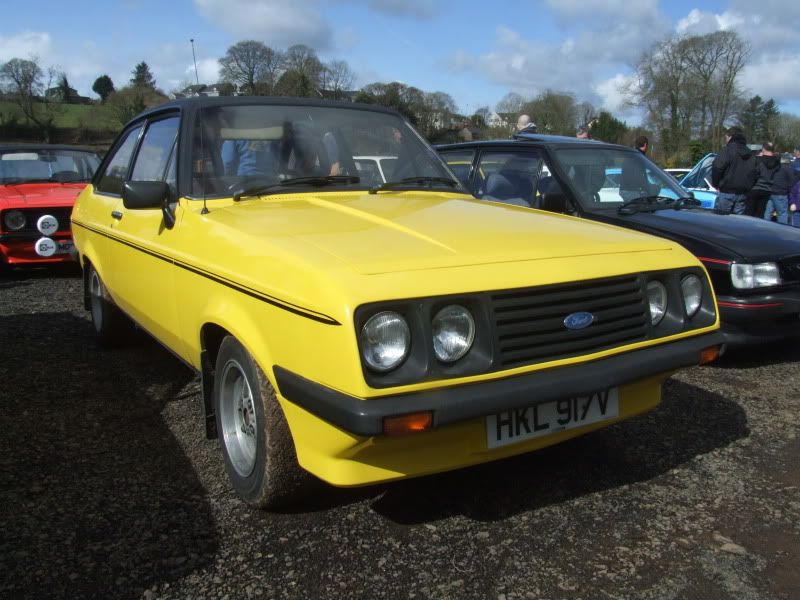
(203, 89)
(56, 94)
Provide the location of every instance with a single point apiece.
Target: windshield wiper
(410, 181)
(650, 204)
(315, 181)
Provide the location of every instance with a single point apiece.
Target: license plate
(520, 424)
(65, 246)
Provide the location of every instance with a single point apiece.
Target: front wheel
(256, 442)
(111, 326)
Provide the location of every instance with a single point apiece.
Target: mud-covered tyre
(111, 326)
(256, 442)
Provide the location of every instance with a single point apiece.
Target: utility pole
(194, 58)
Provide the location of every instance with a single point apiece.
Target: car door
(96, 215)
(143, 270)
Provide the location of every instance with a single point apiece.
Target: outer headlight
(385, 341)
(657, 296)
(692, 289)
(14, 220)
(453, 332)
(747, 277)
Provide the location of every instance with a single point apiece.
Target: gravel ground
(108, 488)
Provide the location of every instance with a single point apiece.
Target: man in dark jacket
(782, 182)
(733, 172)
(767, 164)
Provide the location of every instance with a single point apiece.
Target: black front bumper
(759, 319)
(467, 401)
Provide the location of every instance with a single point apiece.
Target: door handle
(116, 214)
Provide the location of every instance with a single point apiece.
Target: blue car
(698, 181)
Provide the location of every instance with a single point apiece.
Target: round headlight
(657, 297)
(385, 340)
(692, 289)
(14, 220)
(453, 333)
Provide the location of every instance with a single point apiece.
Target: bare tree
(26, 83)
(336, 77)
(734, 55)
(301, 76)
(688, 86)
(252, 66)
(553, 112)
(509, 107)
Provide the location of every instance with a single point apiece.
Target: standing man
(641, 144)
(525, 125)
(767, 164)
(733, 172)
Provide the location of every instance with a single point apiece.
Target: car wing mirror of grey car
(137, 195)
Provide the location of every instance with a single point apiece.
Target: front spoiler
(453, 404)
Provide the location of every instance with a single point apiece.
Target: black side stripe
(277, 302)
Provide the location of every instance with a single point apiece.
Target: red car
(38, 186)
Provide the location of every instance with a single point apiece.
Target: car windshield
(608, 178)
(247, 150)
(47, 165)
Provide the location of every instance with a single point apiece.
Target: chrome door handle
(116, 214)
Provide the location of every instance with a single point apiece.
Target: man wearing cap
(733, 173)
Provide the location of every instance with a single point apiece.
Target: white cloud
(278, 23)
(611, 93)
(25, 45)
(773, 77)
(572, 64)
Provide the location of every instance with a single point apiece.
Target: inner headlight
(746, 277)
(453, 333)
(692, 289)
(385, 340)
(14, 220)
(657, 297)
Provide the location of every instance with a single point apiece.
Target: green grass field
(69, 116)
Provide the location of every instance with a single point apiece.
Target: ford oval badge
(578, 320)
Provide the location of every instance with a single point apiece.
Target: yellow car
(365, 334)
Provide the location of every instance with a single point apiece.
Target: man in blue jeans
(733, 172)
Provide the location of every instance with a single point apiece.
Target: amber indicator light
(405, 424)
(709, 355)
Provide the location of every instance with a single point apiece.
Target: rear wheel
(111, 326)
(256, 442)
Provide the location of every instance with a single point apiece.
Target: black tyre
(111, 326)
(256, 442)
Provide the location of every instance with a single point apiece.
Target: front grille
(790, 268)
(530, 328)
(32, 215)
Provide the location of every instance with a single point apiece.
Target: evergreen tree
(143, 77)
(103, 87)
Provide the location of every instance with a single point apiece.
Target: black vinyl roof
(200, 102)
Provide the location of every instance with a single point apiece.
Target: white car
(375, 169)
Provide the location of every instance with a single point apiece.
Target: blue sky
(475, 51)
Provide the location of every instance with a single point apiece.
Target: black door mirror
(149, 194)
(144, 194)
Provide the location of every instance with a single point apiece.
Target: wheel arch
(211, 335)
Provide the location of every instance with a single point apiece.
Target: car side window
(154, 153)
(460, 163)
(117, 169)
(511, 177)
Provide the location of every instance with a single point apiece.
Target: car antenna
(205, 210)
